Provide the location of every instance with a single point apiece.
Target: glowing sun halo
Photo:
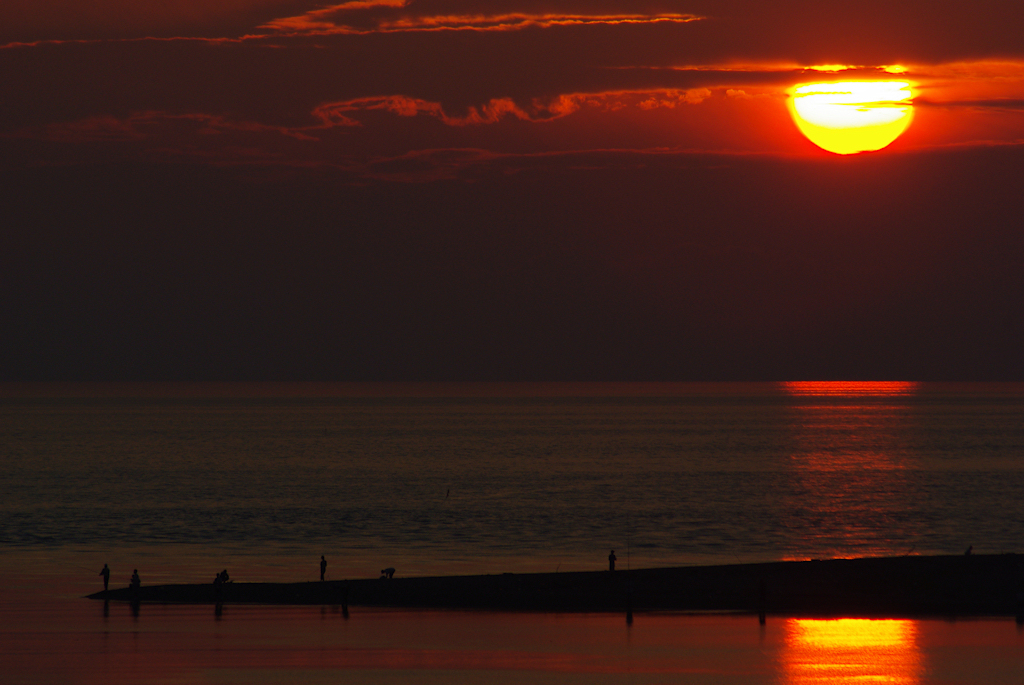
(852, 116)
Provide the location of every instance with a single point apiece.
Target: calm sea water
(707, 474)
(181, 483)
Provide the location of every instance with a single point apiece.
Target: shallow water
(90, 642)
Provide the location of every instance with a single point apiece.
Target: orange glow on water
(851, 650)
(852, 116)
(849, 459)
(850, 388)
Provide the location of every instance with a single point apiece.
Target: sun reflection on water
(848, 466)
(851, 650)
(850, 388)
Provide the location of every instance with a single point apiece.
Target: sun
(846, 117)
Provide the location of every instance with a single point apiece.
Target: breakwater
(990, 585)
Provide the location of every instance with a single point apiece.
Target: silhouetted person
(224, 576)
(611, 560)
(135, 582)
(323, 566)
(969, 550)
(106, 577)
(387, 573)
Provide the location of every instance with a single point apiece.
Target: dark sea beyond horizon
(182, 481)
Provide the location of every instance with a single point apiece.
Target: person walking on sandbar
(323, 566)
(106, 577)
(611, 560)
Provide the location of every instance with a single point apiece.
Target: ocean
(181, 482)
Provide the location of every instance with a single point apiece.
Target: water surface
(181, 483)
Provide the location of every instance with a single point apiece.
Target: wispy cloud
(148, 39)
(388, 16)
(992, 105)
(344, 113)
(338, 113)
(140, 126)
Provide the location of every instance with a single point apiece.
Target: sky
(511, 190)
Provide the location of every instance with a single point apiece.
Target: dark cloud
(998, 105)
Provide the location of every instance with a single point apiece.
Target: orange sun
(852, 116)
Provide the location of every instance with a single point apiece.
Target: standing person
(106, 577)
(323, 566)
(135, 582)
(611, 560)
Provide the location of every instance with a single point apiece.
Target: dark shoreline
(936, 586)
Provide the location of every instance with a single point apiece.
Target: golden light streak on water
(850, 388)
(851, 650)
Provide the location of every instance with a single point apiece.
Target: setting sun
(852, 116)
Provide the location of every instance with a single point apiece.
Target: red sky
(510, 190)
